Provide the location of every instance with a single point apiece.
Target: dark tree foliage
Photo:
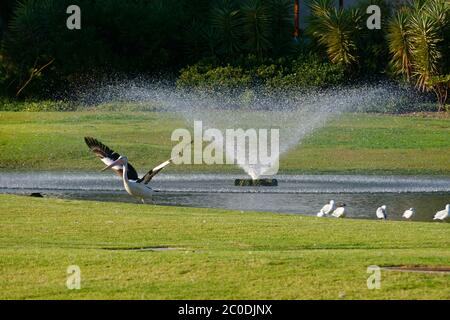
(138, 37)
(6, 10)
(115, 36)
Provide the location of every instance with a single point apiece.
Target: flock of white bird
(338, 211)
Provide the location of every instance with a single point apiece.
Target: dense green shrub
(126, 107)
(214, 79)
(308, 72)
(302, 73)
(34, 106)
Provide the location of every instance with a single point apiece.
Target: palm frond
(399, 39)
(256, 22)
(226, 20)
(336, 31)
(425, 41)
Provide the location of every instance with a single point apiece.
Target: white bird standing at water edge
(443, 214)
(133, 185)
(409, 213)
(382, 212)
(339, 212)
(326, 209)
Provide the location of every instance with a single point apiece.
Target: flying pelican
(443, 214)
(409, 213)
(135, 187)
(326, 209)
(339, 212)
(382, 213)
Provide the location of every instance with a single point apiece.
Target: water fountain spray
(296, 114)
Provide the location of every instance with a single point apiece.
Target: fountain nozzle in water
(255, 172)
(256, 182)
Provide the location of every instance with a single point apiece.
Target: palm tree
(226, 21)
(336, 30)
(418, 44)
(256, 22)
(399, 39)
(251, 26)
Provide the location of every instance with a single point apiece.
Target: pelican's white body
(381, 213)
(409, 213)
(326, 209)
(134, 188)
(339, 212)
(443, 214)
(137, 190)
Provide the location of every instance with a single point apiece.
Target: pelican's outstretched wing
(108, 156)
(149, 175)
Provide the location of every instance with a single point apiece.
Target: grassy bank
(364, 143)
(219, 254)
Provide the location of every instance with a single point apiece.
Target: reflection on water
(303, 194)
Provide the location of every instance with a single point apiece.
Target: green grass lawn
(363, 143)
(220, 254)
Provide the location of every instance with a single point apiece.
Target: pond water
(302, 194)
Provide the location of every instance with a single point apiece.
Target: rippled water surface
(304, 194)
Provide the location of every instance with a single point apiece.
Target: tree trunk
(341, 4)
(296, 18)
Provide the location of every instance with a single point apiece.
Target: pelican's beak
(115, 163)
